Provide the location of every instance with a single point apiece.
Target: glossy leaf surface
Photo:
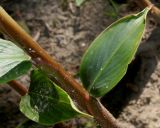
(106, 60)
(47, 103)
(14, 62)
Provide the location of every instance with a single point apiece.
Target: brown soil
(66, 31)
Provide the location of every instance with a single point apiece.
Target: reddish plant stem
(154, 10)
(53, 69)
(99, 112)
(21, 89)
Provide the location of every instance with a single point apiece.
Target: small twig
(21, 89)
(155, 11)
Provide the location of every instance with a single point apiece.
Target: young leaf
(46, 103)
(13, 61)
(79, 2)
(106, 60)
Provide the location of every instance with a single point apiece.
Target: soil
(66, 31)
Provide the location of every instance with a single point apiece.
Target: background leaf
(79, 2)
(107, 59)
(13, 61)
(47, 103)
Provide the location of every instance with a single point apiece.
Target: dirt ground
(66, 31)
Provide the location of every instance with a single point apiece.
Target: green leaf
(106, 60)
(14, 62)
(47, 103)
(79, 2)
